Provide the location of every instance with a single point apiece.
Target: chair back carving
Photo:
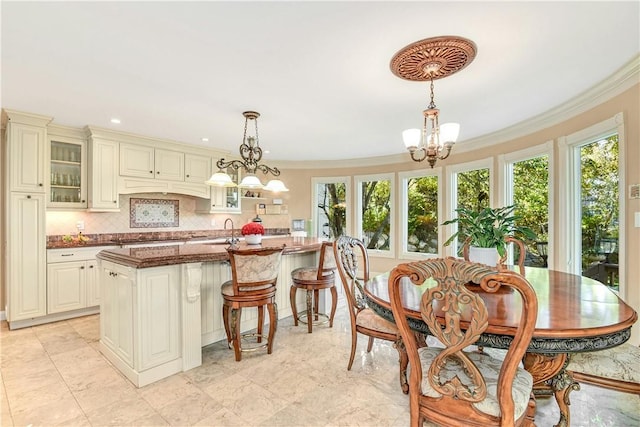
(327, 261)
(522, 249)
(254, 270)
(352, 259)
(458, 316)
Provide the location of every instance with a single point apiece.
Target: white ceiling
(318, 72)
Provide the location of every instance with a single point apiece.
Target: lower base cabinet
(154, 321)
(140, 320)
(72, 282)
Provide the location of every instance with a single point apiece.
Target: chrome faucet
(233, 240)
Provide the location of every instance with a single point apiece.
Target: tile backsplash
(64, 222)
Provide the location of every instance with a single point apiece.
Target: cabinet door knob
(158, 172)
(187, 176)
(91, 266)
(84, 201)
(82, 267)
(115, 201)
(150, 171)
(40, 185)
(28, 196)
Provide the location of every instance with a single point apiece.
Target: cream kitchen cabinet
(68, 172)
(26, 258)
(147, 162)
(71, 279)
(116, 311)
(140, 317)
(103, 175)
(26, 139)
(223, 199)
(197, 168)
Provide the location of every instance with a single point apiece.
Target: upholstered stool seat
(616, 368)
(312, 280)
(254, 274)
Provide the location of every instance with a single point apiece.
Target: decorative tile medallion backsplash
(150, 213)
(64, 222)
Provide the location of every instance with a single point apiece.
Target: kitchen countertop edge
(146, 257)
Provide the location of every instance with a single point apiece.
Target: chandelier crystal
(251, 154)
(429, 60)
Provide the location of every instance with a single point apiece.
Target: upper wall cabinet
(148, 162)
(26, 138)
(67, 172)
(103, 175)
(197, 168)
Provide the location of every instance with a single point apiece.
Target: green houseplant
(488, 227)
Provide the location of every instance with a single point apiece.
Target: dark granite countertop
(118, 239)
(182, 254)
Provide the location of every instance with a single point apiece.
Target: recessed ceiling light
(115, 121)
(204, 139)
(266, 151)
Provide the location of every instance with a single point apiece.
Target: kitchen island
(160, 305)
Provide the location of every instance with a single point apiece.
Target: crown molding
(623, 79)
(97, 132)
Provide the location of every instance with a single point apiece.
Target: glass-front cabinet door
(68, 173)
(223, 199)
(232, 194)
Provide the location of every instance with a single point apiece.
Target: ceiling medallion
(433, 58)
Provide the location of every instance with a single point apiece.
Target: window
(469, 187)
(375, 212)
(331, 208)
(593, 202)
(599, 201)
(420, 216)
(525, 182)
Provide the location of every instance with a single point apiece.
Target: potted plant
(252, 233)
(488, 228)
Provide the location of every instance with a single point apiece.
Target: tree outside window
(600, 206)
(376, 213)
(333, 207)
(422, 214)
(531, 197)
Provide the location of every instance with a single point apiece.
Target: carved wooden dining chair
(451, 387)
(615, 368)
(352, 261)
(254, 273)
(312, 280)
(522, 253)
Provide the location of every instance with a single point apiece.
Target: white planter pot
(253, 239)
(487, 256)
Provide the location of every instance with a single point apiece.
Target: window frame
(569, 189)
(358, 180)
(403, 178)
(346, 180)
(451, 199)
(505, 186)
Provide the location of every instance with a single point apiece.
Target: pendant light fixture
(429, 60)
(251, 154)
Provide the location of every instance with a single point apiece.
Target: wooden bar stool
(312, 280)
(254, 273)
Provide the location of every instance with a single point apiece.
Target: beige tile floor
(54, 375)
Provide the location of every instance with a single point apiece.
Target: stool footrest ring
(251, 345)
(322, 319)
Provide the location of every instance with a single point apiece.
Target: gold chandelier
(429, 60)
(251, 154)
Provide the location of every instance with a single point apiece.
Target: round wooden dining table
(575, 314)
